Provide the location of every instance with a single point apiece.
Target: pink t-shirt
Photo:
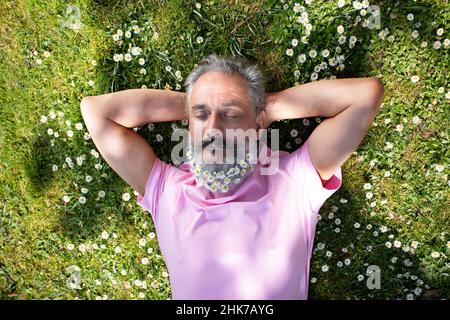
(253, 242)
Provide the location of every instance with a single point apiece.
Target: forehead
(217, 88)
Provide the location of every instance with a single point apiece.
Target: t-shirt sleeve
(314, 190)
(154, 188)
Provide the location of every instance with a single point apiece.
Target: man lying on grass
(228, 227)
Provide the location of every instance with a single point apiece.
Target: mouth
(219, 151)
(214, 154)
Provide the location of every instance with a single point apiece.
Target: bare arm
(350, 105)
(110, 118)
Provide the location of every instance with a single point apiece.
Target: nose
(214, 126)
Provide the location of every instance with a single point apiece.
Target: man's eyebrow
(231, 103)
(199, 107)
(235, 103)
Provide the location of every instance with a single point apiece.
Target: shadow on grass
(38, 165)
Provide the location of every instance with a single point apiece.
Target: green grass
(36, 225)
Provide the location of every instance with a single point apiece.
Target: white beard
(219, 177)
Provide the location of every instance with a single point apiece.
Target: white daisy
(357, 5)
(367, 186)
(435, 254)
(126, 196)
(416, 120)
(135, 51)
(415, 79)
(301, 58)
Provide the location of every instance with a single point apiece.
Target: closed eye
(232, 115)
(201, 116)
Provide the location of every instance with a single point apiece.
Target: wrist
(182, 105)
(270, 109)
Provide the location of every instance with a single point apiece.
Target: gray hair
(231, 65)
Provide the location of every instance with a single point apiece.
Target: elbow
(377, 85)
(85, 103)
(376, 92)
(87, 106)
